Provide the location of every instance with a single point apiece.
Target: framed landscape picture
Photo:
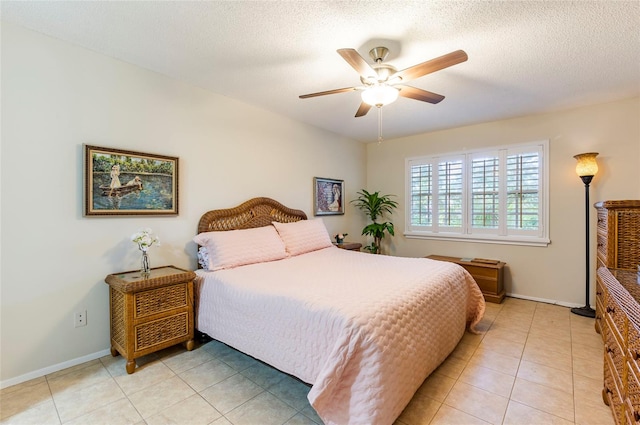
(119, 182)
(328, 195)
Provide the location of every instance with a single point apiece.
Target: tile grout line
(126, 396)
(518, 368)
(458, 379)
(53, 400)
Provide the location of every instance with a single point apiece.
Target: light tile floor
(533, 363)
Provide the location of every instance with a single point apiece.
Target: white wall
(556, 272)
(55, 97)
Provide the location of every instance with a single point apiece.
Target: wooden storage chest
(488, 274)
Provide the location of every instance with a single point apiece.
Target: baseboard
(544, 300)
(51, 369)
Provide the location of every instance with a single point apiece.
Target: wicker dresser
(620, 329)
(618, 241)
(149, 314)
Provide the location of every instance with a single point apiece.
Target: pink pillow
(233, 248)
(303, 236)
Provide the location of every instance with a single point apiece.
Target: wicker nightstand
(351, 246)
(150, 314)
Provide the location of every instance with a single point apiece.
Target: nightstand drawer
(162, 331)
(160, 300)
(633, 390)
(602, 220)
(634, 348)
(611, 390)
(615, 357)
(602, 249)
(616, 317)
(600, 306)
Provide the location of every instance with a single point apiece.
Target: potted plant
(375, 206)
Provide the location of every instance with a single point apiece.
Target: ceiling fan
(382, 83)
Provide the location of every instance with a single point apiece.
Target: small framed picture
(328, 195)
(121, 183)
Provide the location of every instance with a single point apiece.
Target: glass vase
(145, 270)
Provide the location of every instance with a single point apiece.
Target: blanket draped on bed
(364, 330)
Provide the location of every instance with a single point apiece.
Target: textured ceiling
(525, 57)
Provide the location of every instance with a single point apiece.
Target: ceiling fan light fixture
(380, 95)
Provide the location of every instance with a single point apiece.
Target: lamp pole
(586, 169)
(586, 311)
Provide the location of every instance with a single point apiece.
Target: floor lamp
(587, 168)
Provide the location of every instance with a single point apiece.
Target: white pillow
(303, 236)
(233, 248)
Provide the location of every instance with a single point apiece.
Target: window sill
(503, 240)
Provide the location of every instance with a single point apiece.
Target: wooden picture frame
(328, 196)
(123, 183)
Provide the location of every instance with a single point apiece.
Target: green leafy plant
(375, 207)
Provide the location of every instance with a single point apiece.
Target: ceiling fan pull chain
(380, 125)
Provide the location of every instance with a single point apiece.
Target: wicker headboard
(256, 212)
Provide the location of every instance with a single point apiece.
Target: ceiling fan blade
(419, 94)
(363, 109)
(432, 65)
(358, 63)
(322, 93)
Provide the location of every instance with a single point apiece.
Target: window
(497, 195)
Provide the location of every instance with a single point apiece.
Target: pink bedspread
(365, 330)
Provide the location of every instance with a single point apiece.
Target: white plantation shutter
(498, 195)
(450, 194)
(523, 191)
(485, 191)
(421, 195)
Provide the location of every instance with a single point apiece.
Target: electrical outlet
(80, 319)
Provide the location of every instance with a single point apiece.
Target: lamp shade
(587, 165)
(380, 95)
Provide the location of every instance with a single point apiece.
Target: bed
(363, 330)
